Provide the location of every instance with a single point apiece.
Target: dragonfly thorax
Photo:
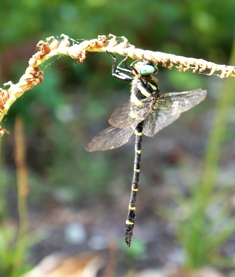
(143, 87)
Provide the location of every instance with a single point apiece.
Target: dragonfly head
(145, 68)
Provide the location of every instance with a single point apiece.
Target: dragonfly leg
(119, 72)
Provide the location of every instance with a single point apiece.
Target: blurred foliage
(183, 28)
(206, 219)
(202, 28)
(73, 101)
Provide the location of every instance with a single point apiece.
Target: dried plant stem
(77, 50)
(22, 181)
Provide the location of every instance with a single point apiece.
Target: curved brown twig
(120, 45)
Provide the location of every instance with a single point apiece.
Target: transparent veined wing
(121, 116)
(158, 120)
(181, 102)
(168, 108)
(109, 138)
(129, 114)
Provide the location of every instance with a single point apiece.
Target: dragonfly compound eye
(147, 69)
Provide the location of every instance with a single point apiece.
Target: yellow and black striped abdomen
(130, 220)
(140, 89)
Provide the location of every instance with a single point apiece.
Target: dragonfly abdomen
(131, 215)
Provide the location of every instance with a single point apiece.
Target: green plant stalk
(215, 139)
(22, 178)
(21, 244)
(196, 248)
(2, 187)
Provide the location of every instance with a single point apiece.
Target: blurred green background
(74, 102)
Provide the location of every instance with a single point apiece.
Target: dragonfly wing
(120, 117)
(181, 102)
(129, 114)
(109, 138)
(158, 120)
(168, 108)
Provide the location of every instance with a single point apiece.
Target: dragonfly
(147, 112)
